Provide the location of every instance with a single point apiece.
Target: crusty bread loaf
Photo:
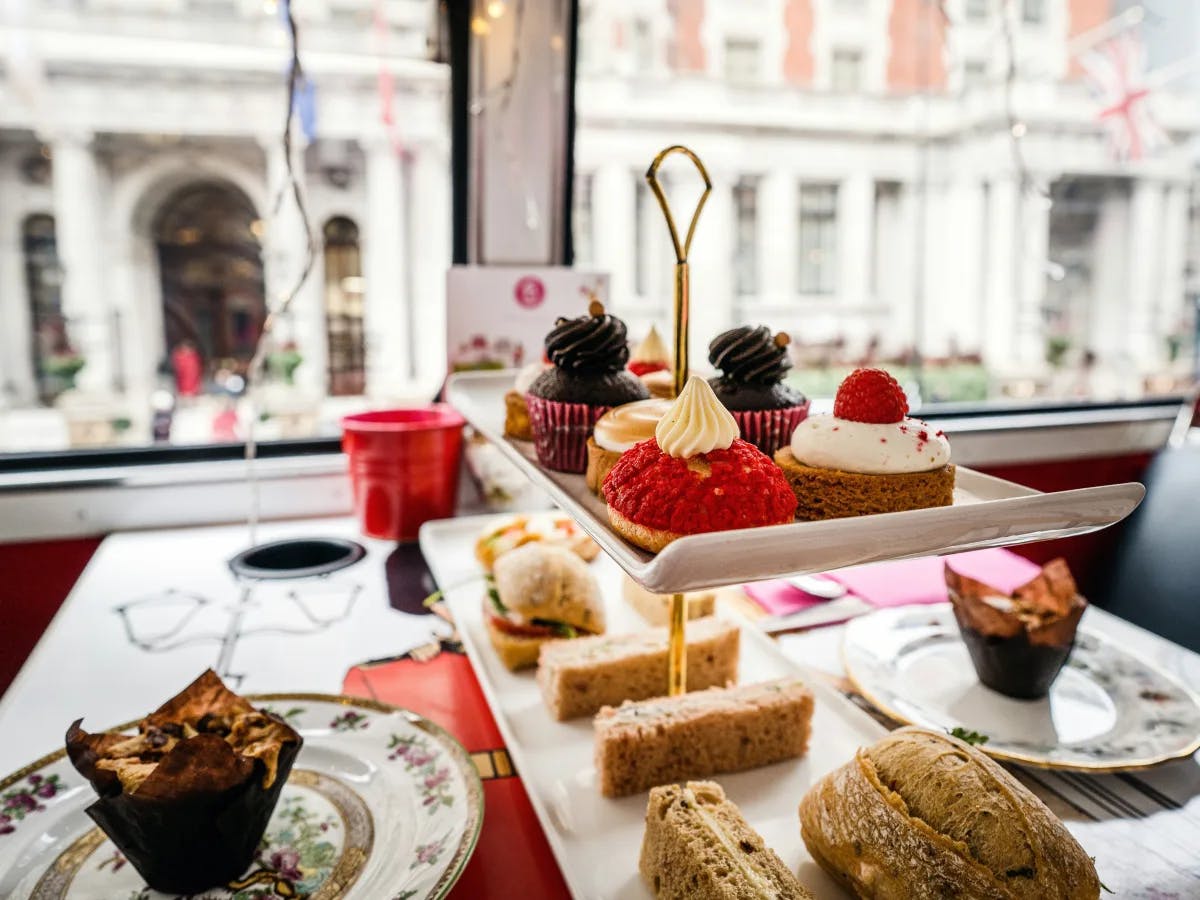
(515, 651)
(697, 846)
(923, 815)
(656, 608)
(652, 742)
(579, 676)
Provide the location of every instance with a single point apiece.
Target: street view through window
(997, 199)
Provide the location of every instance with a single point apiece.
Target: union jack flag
(1116, 71)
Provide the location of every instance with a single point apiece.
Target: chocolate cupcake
(588, 377)
(752, 365)
(187, 799)
(1018, 642)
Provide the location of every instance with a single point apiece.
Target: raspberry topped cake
(650, 355)
(694, 475)
(868, 456)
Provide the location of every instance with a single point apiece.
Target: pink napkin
(903, 582)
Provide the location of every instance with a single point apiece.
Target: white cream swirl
(630, 423)
(651, 349)
(696, 423)
(910, 445)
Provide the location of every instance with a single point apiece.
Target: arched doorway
(210, 264)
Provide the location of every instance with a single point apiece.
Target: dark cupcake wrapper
(770, 429)
(561, 431)
(198, 842)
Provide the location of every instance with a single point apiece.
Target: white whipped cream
(651, 349)
(696, 423)
(826, 442)
(528, 375)
(630, 423)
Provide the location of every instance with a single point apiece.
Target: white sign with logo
(497, 317)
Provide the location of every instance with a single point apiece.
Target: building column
(80, 237)
(429, 253)
(855, 208)
(1174, 243)
(778, 197)
(389, 364)
(613, 230)
(1033, 248)
(283, 261)
(1000, 301)
(711, 310)
(1145, 273)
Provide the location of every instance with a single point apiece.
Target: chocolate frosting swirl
(749, 355)
(588, 345)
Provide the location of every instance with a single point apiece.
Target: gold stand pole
(677, 655)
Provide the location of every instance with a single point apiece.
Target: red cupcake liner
(561, 431)
(770, 429)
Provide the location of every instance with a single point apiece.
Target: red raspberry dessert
(654, 498)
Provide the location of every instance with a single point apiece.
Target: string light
(496, 8)
(291, 185)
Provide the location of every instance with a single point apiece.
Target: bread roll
(924, 816)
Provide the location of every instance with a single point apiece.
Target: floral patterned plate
(1108, 709)
(380, 805)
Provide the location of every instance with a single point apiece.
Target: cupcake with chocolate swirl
(753, 364)
(587, 378)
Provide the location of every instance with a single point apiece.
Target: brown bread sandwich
(925, 816)
(537, 593)
(697, 846)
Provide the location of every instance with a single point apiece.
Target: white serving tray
(596, 840)
(987, 512)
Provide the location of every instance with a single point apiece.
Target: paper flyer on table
(497, 316)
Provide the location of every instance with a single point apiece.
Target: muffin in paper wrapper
(561, 431)
(187, 799)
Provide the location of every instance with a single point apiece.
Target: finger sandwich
(581, 676)
(651, 742)
(697, 846)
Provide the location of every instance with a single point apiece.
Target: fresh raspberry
(870, 395)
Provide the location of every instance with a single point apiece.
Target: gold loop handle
(681, 252)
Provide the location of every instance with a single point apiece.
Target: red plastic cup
(403, 467)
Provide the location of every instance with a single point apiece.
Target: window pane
(745, 246)
(846, 74)
(871, 198)
(977, 10)
(141, 248)
(742, 61)
(818, 239)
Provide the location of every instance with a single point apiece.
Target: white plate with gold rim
(987, 512)
(1108, 710)
(381, 804)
